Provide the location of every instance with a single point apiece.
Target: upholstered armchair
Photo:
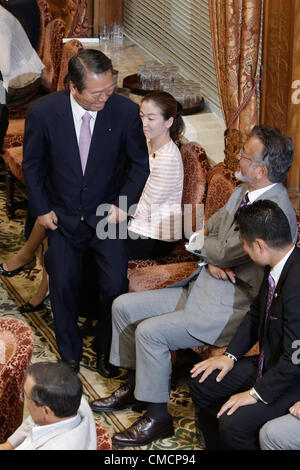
(16, 346)
(51, 58)
(45, 18)
(74, 14)
(155, 274)
(69, 49)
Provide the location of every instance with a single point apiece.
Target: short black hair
(56, 386)
(86, 61)
(277, 155)
(264, 219)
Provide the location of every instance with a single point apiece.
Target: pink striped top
(158, 214)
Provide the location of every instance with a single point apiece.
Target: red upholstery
(55, 32)
(68, 50)
(16, 346)
(103, 438)
(196, 167)
(221, 183)
(46, 18)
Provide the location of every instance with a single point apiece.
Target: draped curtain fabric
(235, 31)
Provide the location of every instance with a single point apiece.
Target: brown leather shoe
(122, 398)
(143, 431)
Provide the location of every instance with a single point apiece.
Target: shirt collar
(253, 195)
(79, 111)
(39, 431)
(277, 269)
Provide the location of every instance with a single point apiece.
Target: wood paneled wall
(281, 78)
(107, 12)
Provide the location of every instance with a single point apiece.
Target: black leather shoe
(106, 369)
(122, 398)
(73, 364)
(145, 430)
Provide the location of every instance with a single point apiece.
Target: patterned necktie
(245, 201)
(85, 139)
(269, 301)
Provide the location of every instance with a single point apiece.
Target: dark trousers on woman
(239, 431)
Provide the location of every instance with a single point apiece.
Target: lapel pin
(275, 295)
(109, 129)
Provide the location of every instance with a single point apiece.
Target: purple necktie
(269, 301)
(85, 139)
(245, 201)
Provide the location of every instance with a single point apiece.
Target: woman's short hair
(86, 61)
(169, 108)
(56, 386)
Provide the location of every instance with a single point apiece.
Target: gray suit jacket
(215, 308)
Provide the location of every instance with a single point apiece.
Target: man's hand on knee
(223, 363)
(235, 401)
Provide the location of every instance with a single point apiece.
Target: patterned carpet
(14, 291)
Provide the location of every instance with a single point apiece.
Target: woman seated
(20, 65)
(156, 226)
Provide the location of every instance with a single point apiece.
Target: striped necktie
(269, 301)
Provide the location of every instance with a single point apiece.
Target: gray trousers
(281, 434)
(146, 326)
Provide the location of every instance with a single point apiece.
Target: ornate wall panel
(281, 73)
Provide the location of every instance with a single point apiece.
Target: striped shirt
(158, 214)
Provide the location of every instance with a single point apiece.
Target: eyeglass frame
(24, 398)
(240, 156)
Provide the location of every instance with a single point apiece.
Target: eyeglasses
(24, 398)
(241, 155)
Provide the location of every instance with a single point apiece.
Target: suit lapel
(66, 132)
(101, 142)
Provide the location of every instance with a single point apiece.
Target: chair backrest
(74, 13)
(16, 346)
(69, 49)
(46, 18)
(55, 32)
(196, 167)
(221, 183)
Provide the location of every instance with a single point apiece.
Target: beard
(239, 176)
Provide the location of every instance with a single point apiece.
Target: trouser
(146, 326)
(240, 430)
(63, 261)
(3, 123)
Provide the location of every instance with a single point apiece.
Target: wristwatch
(231, 356)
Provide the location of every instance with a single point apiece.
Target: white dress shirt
(78, 111)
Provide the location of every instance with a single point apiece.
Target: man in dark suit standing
(264, 386)
(84, 149)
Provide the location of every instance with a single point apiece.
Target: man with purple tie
(84, 148)
(235, 395)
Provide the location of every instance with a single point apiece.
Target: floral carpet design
(15, 291)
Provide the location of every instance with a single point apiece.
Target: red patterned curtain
(235, 30)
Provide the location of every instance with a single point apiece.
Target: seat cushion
(13, 158)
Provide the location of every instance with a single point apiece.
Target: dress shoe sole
(162, 435)
(111, 410)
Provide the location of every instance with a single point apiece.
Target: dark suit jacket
(280, 370)
(118, 162)
(28, 13)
